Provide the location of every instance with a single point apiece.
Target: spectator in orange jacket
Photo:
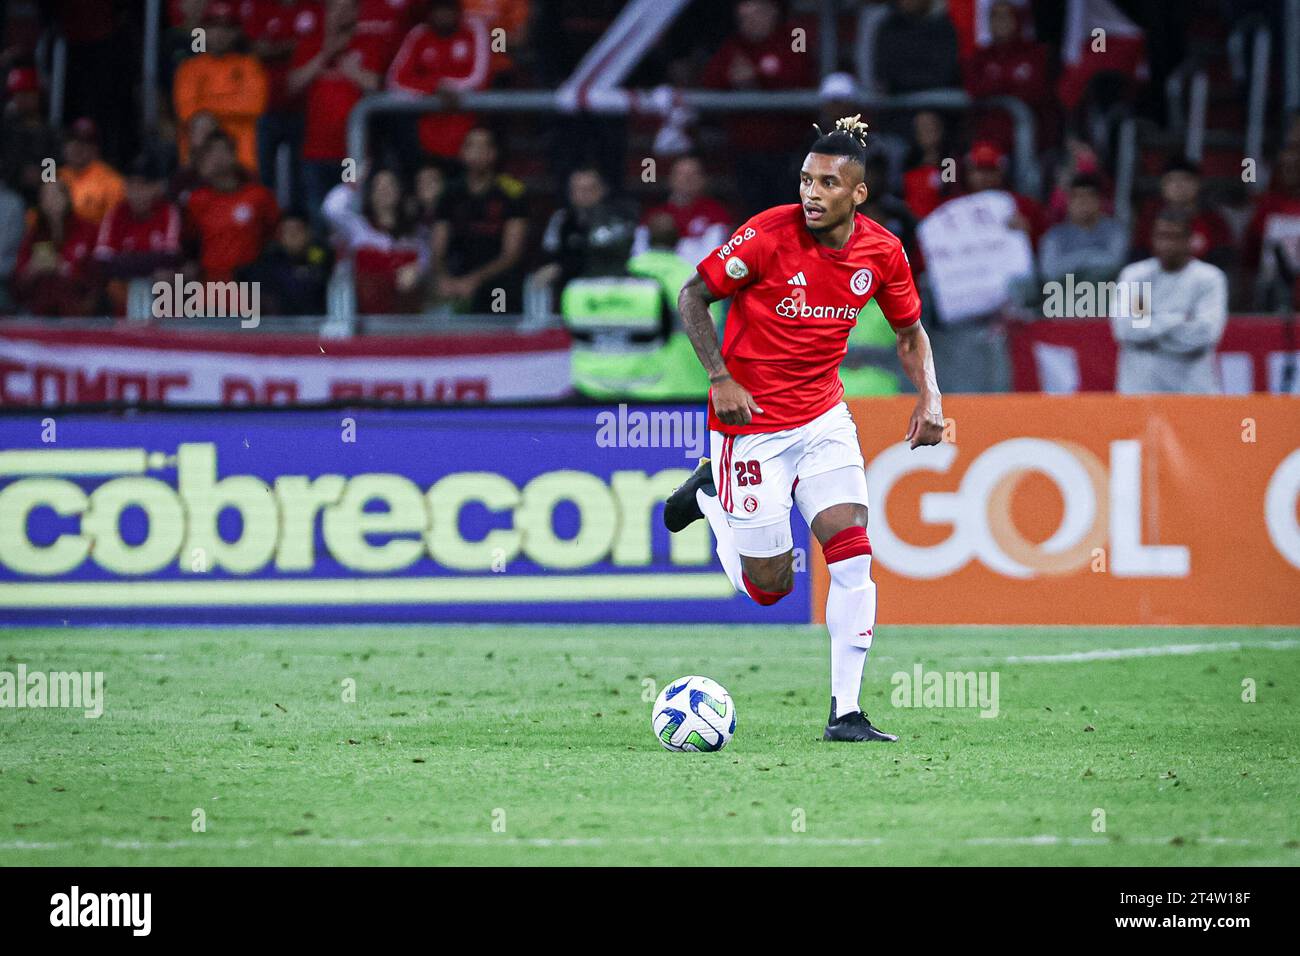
(230, 85)
(512, 16)
(96, 187)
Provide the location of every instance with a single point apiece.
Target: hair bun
(854, 126)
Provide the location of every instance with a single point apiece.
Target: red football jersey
(120, 231)
(231, 227)
(426, 61)
(331, 96)
(794, 302)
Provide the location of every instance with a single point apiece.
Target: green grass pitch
(532, 745)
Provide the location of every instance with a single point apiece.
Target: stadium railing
(661, 100)
(1257, 101)
(1291, 60)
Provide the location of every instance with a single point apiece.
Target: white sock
(851, 619)
(727, 552)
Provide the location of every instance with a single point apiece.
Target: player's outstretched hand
(733, 403)
(926, 426)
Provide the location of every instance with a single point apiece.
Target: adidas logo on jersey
(797, 279)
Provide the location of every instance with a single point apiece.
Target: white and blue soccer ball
(694, 714)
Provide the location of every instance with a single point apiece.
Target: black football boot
(681, 508)
(854, 727)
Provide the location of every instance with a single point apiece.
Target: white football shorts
(760, 476)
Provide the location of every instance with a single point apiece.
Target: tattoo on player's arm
(693, 305)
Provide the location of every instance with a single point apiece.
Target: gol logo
(1100, 504)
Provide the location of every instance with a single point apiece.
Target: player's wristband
(719, 377)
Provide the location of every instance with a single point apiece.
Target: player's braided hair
(848, 138)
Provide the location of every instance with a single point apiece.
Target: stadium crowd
(244, 176)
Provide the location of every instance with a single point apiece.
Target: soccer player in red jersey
(781, 434)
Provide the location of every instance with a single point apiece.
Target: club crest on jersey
(736, 268)
(750, 503)
(861, 282)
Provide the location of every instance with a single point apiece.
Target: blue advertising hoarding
(353, 515)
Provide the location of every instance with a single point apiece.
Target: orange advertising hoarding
(1085, 509)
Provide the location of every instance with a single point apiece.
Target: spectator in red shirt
(446, 54)
(760, 56)
(382, 239)
(231, 217)
(275, 28)
(1180, 189)
(55, 275)
(703, 223)
(141, 236)
(186, 178)
(1009, 66)
(1280, 203)
(382, 25)
(986, 169)
(927, 164)
(333, 68)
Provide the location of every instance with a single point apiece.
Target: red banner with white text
(49, 367)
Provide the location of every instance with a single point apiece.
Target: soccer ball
(694, 713)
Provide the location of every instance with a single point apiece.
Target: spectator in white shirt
(1167, 343)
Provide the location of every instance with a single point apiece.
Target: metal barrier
(1258, 100)
(1198, 104)
(660, 101)
(1291, 62)
(56, 50)
(1126, 159)
(149, 68)
(417, 323)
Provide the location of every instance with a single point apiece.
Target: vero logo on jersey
(796, 279)
(736, 242)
